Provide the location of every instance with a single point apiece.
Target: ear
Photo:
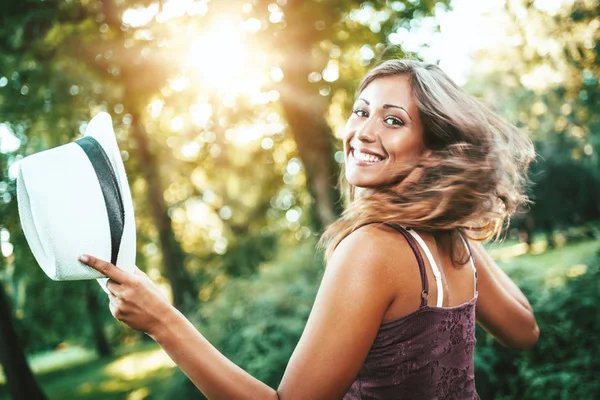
(426, 152)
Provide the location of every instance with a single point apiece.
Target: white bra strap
(472, 264)
(436, 271)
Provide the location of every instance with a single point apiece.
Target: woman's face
(383, 134)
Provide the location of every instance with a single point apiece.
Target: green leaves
(562, 364)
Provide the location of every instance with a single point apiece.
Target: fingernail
(83, 258)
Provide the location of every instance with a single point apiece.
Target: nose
(366, 131)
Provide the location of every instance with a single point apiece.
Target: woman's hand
(134, 298)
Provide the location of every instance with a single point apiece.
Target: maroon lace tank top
(427, 354)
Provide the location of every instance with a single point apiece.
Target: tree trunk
(172, 254)
(19, 378)
(305, 108)
(102, 347)
(305, 111)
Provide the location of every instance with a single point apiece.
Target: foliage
(257, 322)
(565, 193)
(135, 372)
(242, 208)
(562, 364)
(227, 193)
(544, 77)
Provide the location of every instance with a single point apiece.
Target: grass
(144, 372)
(548, 268)
(134, 374)
(53, 360)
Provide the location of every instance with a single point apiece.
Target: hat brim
(62, 211)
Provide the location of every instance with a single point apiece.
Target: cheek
(403, 148)
(347, 134)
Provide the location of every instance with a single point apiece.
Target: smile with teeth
(364, 157)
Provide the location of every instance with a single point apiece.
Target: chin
(364, 181)
(371, 176)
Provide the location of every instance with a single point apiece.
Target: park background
(228, 116)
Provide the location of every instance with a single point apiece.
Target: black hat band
(110, 190)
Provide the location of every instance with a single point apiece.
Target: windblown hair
(472, 182)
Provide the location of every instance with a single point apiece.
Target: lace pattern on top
(427, 354)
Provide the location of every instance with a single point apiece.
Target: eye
(360, 112)
(394, 121)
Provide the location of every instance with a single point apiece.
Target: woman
(430, 171)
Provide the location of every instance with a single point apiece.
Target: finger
(113, 310)
(106, 268)
(113, 287)
(113, 299)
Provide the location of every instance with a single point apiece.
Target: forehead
(396, 90)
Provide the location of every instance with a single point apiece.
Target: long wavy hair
(471, 182)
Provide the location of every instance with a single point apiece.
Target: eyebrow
(388, 106)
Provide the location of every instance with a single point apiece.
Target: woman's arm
(355, 292)
(136, 301)
(502, 309)
(214, 375)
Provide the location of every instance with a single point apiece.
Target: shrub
(257, 322)
(564, 362)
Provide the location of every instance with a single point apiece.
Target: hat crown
(63, 209)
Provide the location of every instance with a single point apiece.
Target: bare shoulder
(352, 300)
(375, 237)
(372, 249)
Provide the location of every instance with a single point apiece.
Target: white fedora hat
(75, 199)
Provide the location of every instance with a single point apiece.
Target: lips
(365, 156)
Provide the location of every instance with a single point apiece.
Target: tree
(19, 378)
(209, 205)
(319, 42)
(548, 84)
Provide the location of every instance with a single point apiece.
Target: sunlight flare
(224, 59)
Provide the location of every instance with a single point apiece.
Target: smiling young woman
(381, 135)
(430, 172)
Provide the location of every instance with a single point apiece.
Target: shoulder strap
(436, 272)
(415, 249)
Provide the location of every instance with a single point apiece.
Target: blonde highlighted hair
(472, 181)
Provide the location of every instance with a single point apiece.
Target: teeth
(365, 157)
